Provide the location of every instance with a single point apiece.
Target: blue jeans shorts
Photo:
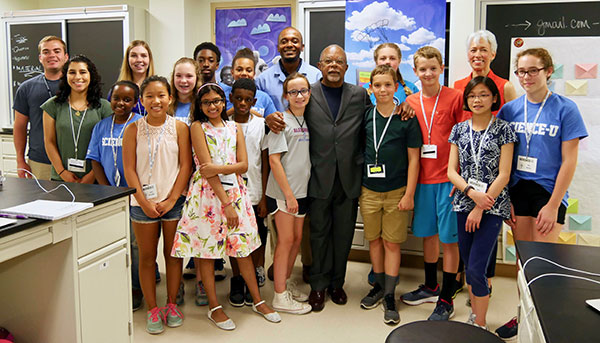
(138, 215)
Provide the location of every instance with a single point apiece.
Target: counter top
(560, 301)
(19, 191)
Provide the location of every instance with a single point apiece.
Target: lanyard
(47, 86)
(76, 140)
(387, 124)
(528, 128)
(151, 155)
(114, 150)
(432, 114)
(477, 156)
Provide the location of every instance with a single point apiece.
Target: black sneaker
(247, 297)
(220, 273)
(236, 291)
(508, 332)
(390, 312)
(137, 298)
(443, 311)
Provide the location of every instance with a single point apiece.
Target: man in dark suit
(335, 121)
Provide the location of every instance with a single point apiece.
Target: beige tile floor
(347, 323)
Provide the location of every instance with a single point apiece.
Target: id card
(228, 181)
(117, 178)
(429, 151)
(376, 170)
(527, 164)
(75, 165)
(478, 185)
(150, 191)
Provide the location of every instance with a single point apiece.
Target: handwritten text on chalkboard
(545, 26)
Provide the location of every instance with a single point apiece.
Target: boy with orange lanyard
(438, 109)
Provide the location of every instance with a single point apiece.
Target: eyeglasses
(330, 62)
(295, 92)
(480, 97)
(215, 102)
(530, 72)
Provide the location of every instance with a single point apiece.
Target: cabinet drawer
(359, 237)
(8, 148)
(101, 227)
(9, 164)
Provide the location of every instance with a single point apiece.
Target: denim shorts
(138, 215)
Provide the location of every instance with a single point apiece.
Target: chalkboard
(105, 49)
(556, 19)
(326, 28)
(24, 39)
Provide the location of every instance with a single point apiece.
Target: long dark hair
(205, 89)
(94, 91)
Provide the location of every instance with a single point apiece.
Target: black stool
(427, 331)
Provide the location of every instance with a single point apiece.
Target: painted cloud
(379, 15)
(420, 36)
(277, 18)
(237, 23)
(264, 28)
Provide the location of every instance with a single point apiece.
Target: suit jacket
(336, 145)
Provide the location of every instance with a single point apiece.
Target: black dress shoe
(338, 295)
(316, 300)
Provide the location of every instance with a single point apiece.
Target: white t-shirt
(255, 138)
(293, 145)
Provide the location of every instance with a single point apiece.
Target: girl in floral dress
(217, 218)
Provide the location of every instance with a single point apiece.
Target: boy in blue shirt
(105, 151)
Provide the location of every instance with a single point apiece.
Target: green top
(64, 133)
(393, 152)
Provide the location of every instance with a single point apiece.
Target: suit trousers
(332, 224)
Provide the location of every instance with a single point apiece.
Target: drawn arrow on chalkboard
(527, 24)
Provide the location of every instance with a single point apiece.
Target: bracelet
(467, 189)
(61, 171)
(227, 204)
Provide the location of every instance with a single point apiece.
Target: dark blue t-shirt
(334, 99)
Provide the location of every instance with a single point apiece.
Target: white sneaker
(297, 294)
(283, 302)
(471, 320)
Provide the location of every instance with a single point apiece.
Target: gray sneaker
(371, 300)
(390, 313)
(180, 295)
(443, 311)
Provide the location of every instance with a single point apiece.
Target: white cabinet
(104, 296)
(8, 155)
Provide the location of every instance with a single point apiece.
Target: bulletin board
(253, 25)
(570, 31)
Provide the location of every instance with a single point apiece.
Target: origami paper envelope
(589, 239)
(579, 222)
(558, 71)
(567, 238)
(509, 237)
(576, 87)
(586, 70)
(510, 254)
(573, 207)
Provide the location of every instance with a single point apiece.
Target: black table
(559, 301)
(19, 191)
(426, 331)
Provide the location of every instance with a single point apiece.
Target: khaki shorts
(381, 215)
(41, 170)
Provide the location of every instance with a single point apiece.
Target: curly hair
(94, 90)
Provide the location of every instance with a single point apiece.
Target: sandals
(272, 317)
(225, 325)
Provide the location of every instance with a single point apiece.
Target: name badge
(376, 170)
(429, 151)
(527, 164)
(228, 181)
(117, 178)
(150, 191)
(478, 185)
(75, 165)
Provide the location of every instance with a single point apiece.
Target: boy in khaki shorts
(389, 182)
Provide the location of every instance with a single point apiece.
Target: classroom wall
(173, 29)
